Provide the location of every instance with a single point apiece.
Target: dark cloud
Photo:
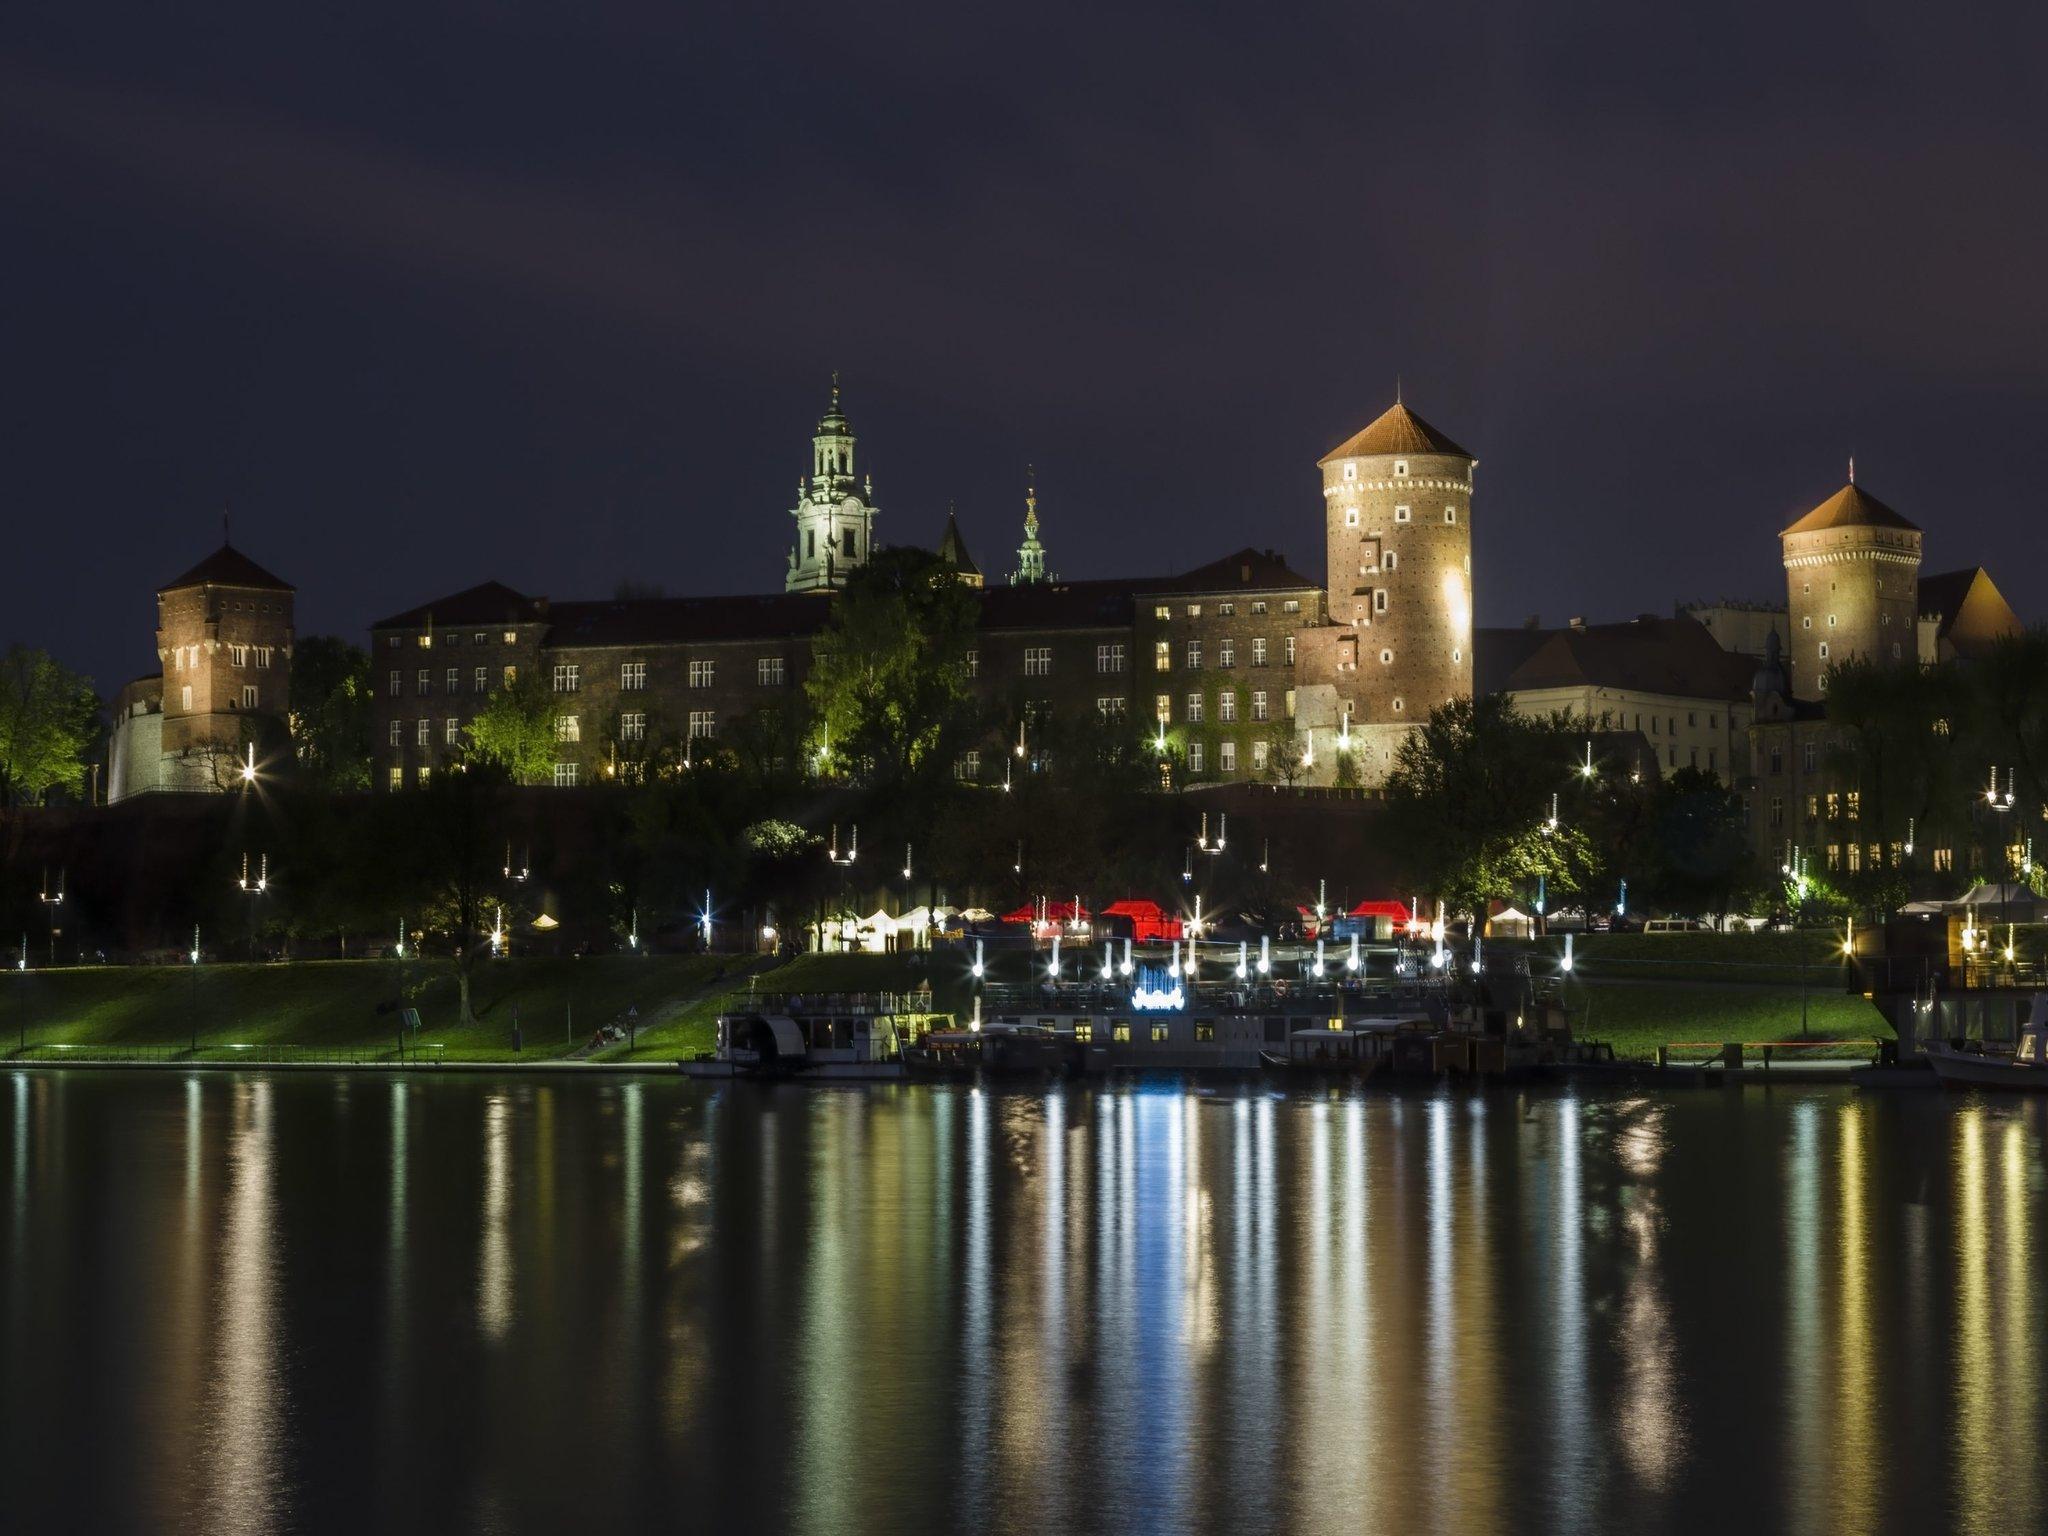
(433, 294)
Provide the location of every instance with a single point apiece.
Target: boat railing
(855, 1004)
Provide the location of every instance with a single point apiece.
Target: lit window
(768, 672)
(568, 728)
(1226, 706)
(511, 677)
(1288, 646)
(511, 637)
(1227, 610)
(1194, 709)
(568, 677)
(426, 772)
(632, 676)
(1194, 610)
(397, 777)
(1162, 655)
(633, 726)
(1161, 611)
(1259, 757)
(1162, 707)
(1292, 605)
(565, 775)
(703, 725)
(1226, 757)
(1259, 606)
(700, 674)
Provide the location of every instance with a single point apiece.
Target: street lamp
(1992, 797)
(1586, 767)
(52, 900)
(249, 765)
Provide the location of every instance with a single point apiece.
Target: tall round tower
(1397, 502)
(1852, 586)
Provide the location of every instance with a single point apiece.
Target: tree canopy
(49, 717)
(889, 686)
(515, 732)
(331, 713)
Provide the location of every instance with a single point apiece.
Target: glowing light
(249, 766)
(1565, 964)
(1456, 604)
(1354, 963)
(978, 967)
(1053, 969)
(1127, 967)
(1586, 767)
(1265, 955)
(1243, 959)
(1159, 1000)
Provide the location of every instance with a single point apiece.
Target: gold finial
(1030, 499)
(1397, 389)
(1852, 469)
(835, 389)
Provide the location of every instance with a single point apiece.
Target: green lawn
(333, 1005)
(1637, 1019)
(326, 1006)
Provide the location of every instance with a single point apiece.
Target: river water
(480, 1303)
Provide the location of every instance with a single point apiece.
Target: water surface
(470, 1303)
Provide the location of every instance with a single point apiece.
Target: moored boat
(2024, 1069)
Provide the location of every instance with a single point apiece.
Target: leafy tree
(49, 717)
(1283, 757)
(1469, 805)
(515, 732)
(1700, 859)
(888, 679)
(446, 849)
(331, 713)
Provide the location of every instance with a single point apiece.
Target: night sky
(547, 293)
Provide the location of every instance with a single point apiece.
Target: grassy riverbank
(1636, 991)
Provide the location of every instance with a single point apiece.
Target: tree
(1283, 757)
(1699, 857)
(889, 680)
(48, 719)
(445, 846)
(331, 713)
(1469, 804)
(515, 733)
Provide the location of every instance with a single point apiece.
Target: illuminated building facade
(224, 636)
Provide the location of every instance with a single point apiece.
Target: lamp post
(52, 900)
(255, 890)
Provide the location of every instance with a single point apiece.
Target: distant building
(224, 637)
(1664, 679)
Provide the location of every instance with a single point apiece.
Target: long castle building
(1243, 667)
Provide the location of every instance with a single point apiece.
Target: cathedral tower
(835, 514)
(1852, 586)
(1031, 553)
(1397, 506)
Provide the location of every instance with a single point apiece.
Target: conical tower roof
(953, 548)
(1396, 430)
(1851, 507)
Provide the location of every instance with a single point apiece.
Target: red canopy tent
(1055, 912)
(1149, 920)
(1398, 911)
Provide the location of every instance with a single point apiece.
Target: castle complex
(1238, 670)
(1235, 667)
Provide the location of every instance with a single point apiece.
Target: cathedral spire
(1031, 553)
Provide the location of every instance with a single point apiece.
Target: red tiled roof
(1395, 430)
(1850, 507)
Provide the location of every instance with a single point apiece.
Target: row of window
(1226, 653)
(1401, 515)
(1226, 706)
(427, 639)
(968, 766)
(249, 697)
(703, 725)
(1224, 610)
(186, 657)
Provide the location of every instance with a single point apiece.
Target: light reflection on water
(462, 1303)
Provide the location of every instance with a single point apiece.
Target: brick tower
(1397, 503)
(224, 635)
(1852, 580)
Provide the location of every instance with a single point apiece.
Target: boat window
(1120, 1030)
(1205, 1029)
